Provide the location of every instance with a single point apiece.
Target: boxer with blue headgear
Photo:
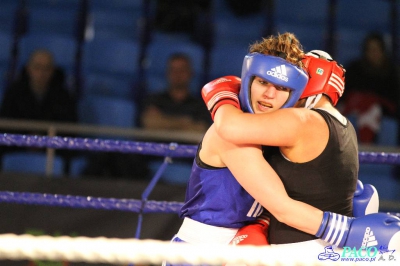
(272, 69)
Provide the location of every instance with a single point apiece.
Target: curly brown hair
(284, 45)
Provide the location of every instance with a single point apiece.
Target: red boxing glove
(221, 91)
(255, 233)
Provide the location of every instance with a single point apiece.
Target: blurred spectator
(175, 108)
(372, 88)
(39, 93)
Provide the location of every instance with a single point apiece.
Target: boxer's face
(266, 97)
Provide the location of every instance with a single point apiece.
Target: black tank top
(327, 182)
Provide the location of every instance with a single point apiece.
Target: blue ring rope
(139, 206)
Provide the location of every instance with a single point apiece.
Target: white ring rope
(125, 251)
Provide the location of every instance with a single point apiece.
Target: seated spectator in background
(372, 88)
(175, 108)
(39, 93)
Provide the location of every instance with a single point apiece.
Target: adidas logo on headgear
(278, 72)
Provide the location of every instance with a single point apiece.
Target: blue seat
(77, 166)
(112, 60)
(63, 48)
(116, 24)
(52, 20)
(348, 43)
(7, 15)
(60, 4)
(227, 60)
(388, 134)
(175, 172)
(107, 111)
(31, 162)
(382, 176)
(128, 5)
(311, 36)
(6, 41)
(369, 15)
(107, 85)
(309, 13)
(110, 56)
(239, 30)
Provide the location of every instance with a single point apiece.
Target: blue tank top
(214, 197)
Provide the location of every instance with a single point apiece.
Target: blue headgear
(275, 70)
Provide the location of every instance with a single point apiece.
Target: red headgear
(326, 76)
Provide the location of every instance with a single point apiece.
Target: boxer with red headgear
(326, 77)
(316, 156)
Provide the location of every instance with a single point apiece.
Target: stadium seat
(52, 20)
(31, 162)
(388, 134)
(6, 43)
(309, 13)
(348, 44)
(127, 5)
(227, 60)
(111, 56)
(238, 30)
(112, 60)
(311, 36)
(107, 111)
(116, 24)
(382, 176)
(107, 85)
(369, 15)
(7, 15)
(59, 4)
(77, 166)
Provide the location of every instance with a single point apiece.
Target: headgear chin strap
(274, 70)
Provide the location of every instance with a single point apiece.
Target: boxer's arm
(257, 177)
(251, 172)
(282, 127)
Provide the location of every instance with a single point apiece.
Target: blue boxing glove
(376, 229)
(366, 200)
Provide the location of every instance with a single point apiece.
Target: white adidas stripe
(337, 231)
(336, 77)
(283, 68)
(340, 91)
(342, 230)
(332, 226)
(219, 95)
(337, 83)
(255, 210)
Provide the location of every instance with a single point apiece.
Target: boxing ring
(128, 251)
